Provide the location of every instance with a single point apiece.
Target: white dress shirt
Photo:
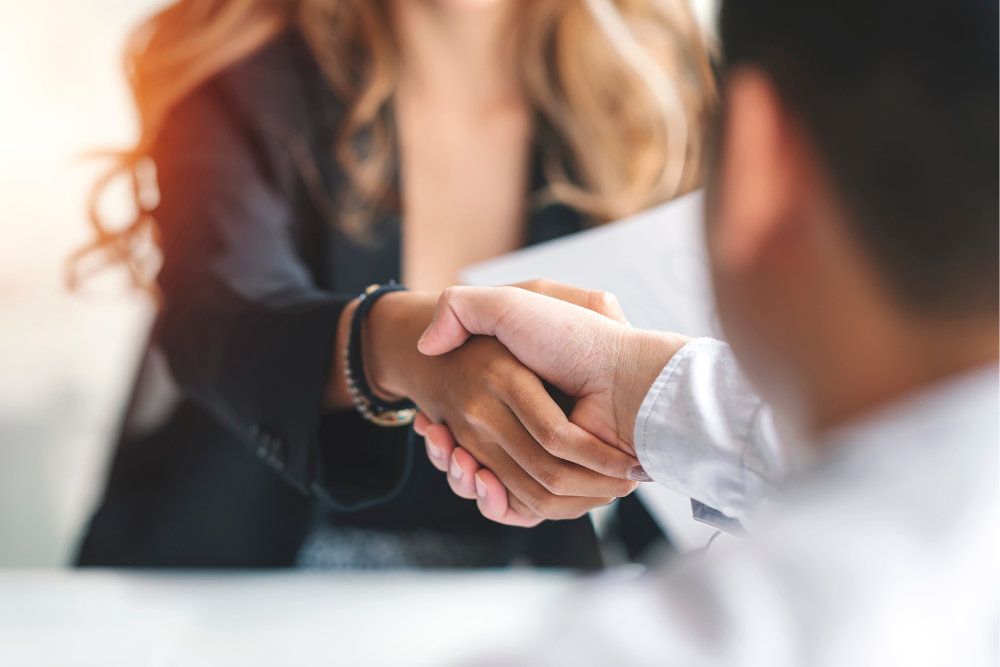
(886, 553)
(703, 432)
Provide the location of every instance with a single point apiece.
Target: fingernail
(423, 336)
(455, 470)
(638, 474)
(435, 451)
(480, 487)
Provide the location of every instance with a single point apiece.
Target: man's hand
(606, 365)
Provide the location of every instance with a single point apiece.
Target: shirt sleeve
(702, 431)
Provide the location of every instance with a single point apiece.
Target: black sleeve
(248, 334)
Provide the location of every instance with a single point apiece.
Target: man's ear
(757, 172)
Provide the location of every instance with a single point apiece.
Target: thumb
(461, 312)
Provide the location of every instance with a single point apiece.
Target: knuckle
(521, 507)
(543, 285)
(532, 502)
(470, 443)
(498, 369)
(478, 415)
(555, 479)
(546, 508)
(538, 503)
(548, 438)
(473, 413)
(531, 285)
(600, 301)
(555, 438)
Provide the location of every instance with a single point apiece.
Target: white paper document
(656, 264)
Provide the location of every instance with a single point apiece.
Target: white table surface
(107, 618)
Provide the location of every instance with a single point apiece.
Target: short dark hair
(901, 100)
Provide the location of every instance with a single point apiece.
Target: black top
(254, 278)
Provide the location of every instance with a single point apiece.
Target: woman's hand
(552, 468)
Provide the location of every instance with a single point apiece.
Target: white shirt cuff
(694, 426)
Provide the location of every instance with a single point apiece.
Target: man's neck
(897, 360)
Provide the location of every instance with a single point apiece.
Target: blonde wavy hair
(622, 88)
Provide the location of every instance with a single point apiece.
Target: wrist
(389, 341)
(642, 356)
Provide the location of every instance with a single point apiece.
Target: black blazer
(245, 461)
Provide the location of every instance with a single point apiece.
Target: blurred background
(67, 360)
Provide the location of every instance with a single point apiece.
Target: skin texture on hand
(497, 409)
(606, 365)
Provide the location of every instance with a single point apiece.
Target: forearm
(257, 366)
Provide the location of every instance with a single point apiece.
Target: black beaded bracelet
(370, 406)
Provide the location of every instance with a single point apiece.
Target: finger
(598, 301)
(464, 311)
(446, 330)
(529, 491)
(420, 423)
(556, 475)
(529, 499)
(512, 518)
(515, 504)
(493, 504)
(491, 495)
(439, 444)
(462, 470)
(546, 423)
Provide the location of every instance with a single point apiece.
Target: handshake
(488, 419)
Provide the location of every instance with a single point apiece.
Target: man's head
(854, 205)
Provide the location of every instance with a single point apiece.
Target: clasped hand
(541, 464)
